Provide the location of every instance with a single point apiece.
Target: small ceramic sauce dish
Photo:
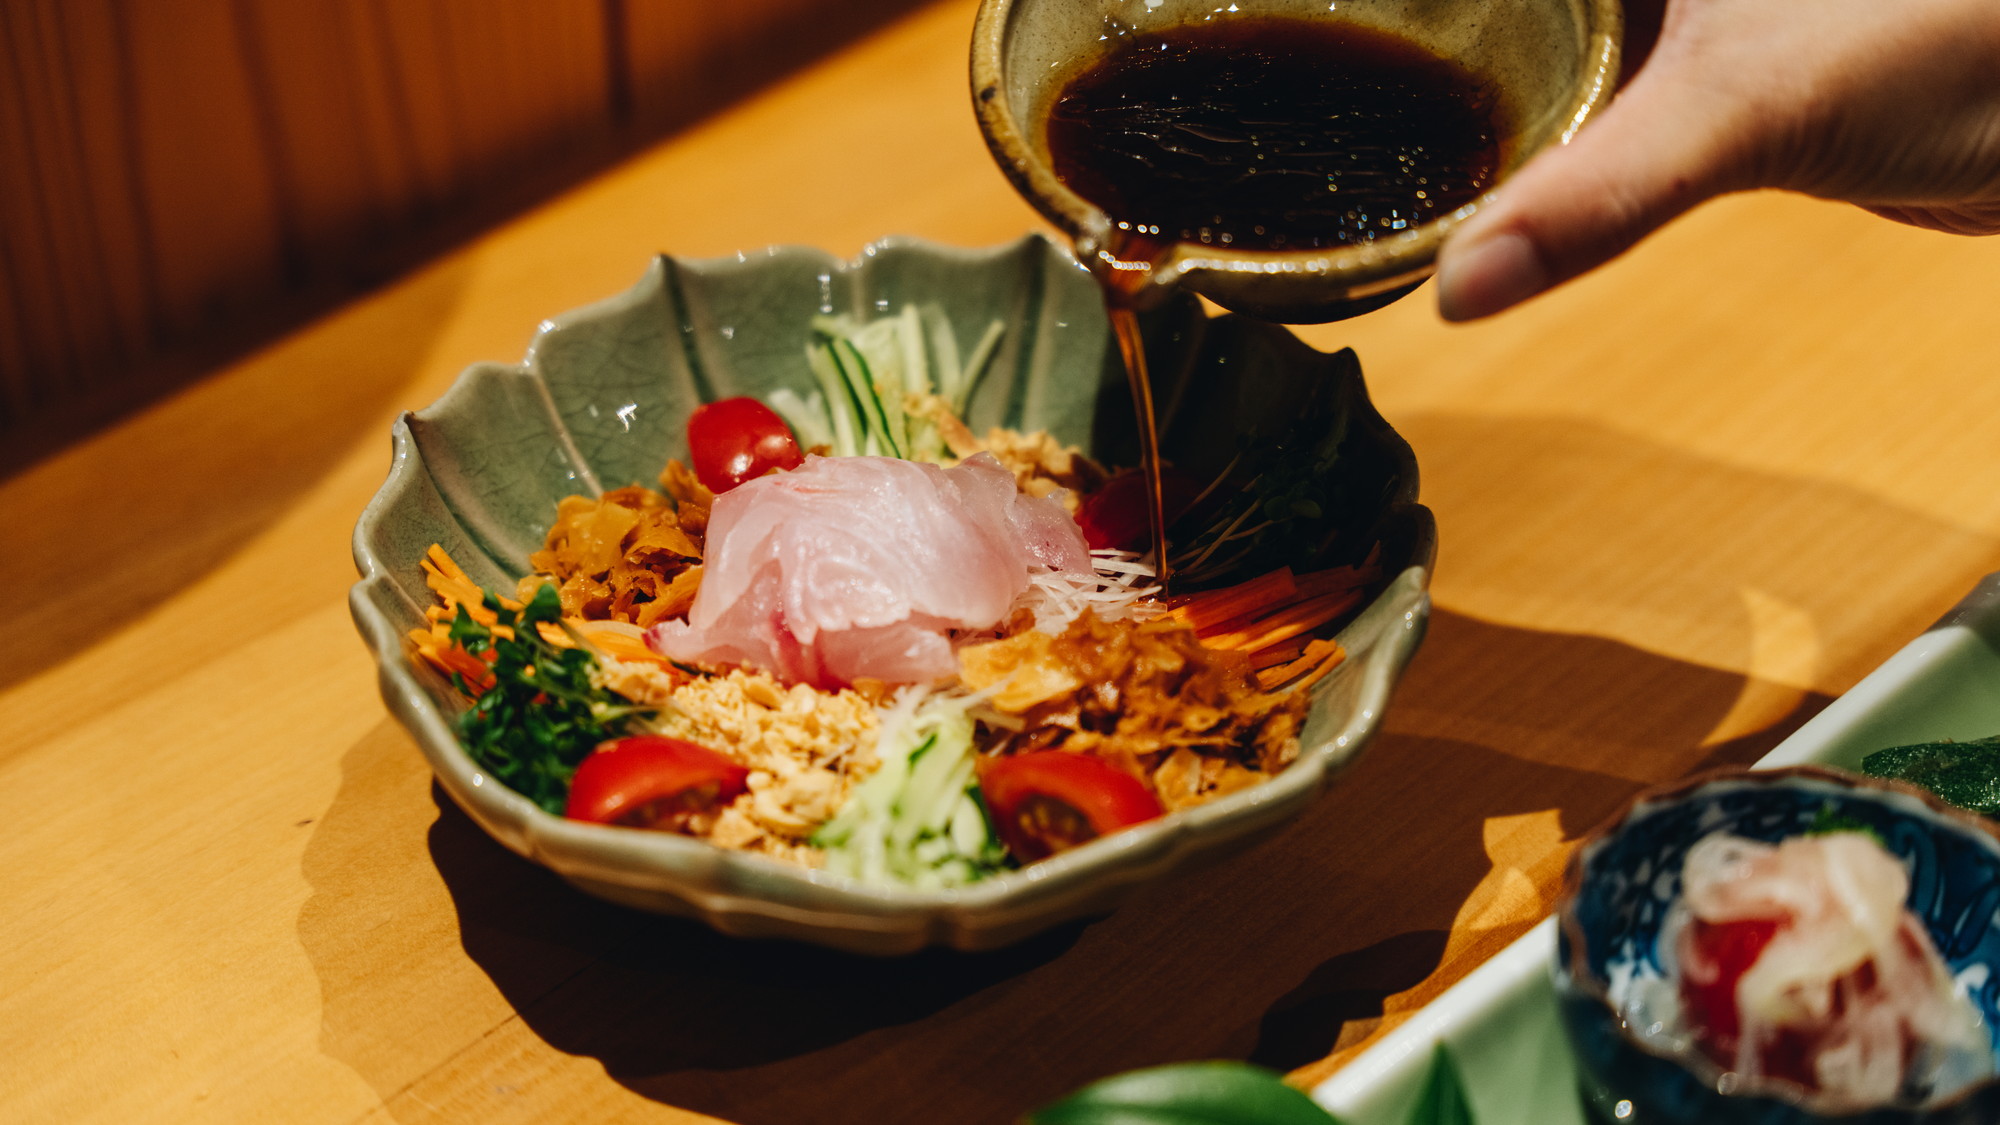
(1616, 972)
(1549, 64)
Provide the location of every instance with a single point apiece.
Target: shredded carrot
(1220, 612)
(1270, 619)
(619, 640)
(1212, 607)
(436, 648)
(1320, 658)
(456, 588)
(1289, 622)
(1281, 653)
(1335, 579)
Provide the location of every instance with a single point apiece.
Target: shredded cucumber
(975, 368)
(861, 384)
(865, 373)
(805, 415)
(842, 412)
(917, 820)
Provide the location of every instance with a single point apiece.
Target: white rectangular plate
(1500, 1021)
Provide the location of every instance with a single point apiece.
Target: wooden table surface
(1683, 503)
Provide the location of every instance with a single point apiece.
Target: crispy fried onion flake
(1146, 697)
(624, 556)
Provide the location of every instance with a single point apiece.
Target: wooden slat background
(180, 179)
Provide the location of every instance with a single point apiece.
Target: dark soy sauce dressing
(1261, 134)
(1273, 134)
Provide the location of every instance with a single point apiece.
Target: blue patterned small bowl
(1622, 880)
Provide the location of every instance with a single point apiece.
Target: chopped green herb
(543, 715)
(1827, 822)
(1966, 774)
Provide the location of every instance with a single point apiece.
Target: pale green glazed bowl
(1552, 63)
(600, 401)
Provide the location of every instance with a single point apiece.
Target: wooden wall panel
(205, 167)
(69, 204)
(179, 176)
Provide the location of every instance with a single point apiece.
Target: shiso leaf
(1966, 774)
(1201, 1093)
(1287, 495)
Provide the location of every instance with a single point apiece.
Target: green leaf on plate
(1444, 1101)
(1203, 1093)
(1965, 773)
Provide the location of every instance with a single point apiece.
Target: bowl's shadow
(1265, 955)
(449, 968)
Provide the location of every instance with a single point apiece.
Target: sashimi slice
(861, 567)
(1837, 985)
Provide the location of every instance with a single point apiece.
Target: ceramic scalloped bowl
(600, 401)
(1626, 874)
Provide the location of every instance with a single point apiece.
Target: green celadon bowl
(601, 400)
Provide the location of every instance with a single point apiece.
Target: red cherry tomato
(738, 439)
(1115, 515)
(1727, 949)
(1048, 800)
(652, 782)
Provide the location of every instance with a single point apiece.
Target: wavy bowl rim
(710, 879)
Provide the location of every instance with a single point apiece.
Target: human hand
(1890, 104)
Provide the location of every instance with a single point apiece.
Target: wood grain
(1683, 503)
(181, 176)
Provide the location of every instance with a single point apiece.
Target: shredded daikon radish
(1850, 976)
(1117, 589)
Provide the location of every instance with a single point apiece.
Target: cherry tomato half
(1048, 800)
(1727, 950)
(738, 439)
(1115, 515)
(648, 781)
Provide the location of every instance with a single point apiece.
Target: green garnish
(1233, 1093)
(543, 715)
(1826, 822)
(1201, 1093)
(918, 820)
(865, 373)
(1966, 774)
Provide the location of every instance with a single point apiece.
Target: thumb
(1652, 154)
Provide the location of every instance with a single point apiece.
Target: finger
(1656, 151)
(1967, 218)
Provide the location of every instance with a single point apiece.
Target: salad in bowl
(806, 596)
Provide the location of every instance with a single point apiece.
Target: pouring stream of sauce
(1259, 133)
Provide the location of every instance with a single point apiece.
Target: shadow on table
(1264, 955)
(246, 445)
(1270, 953)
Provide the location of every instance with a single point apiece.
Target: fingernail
(1492, 274)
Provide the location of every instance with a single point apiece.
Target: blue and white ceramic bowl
(1622, 881)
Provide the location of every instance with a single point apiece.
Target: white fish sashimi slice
(856, 567)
